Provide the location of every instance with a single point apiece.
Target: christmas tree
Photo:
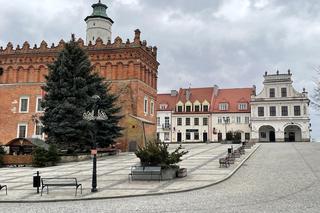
(70, 86)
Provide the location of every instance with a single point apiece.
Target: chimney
(215, 90)
(188, 94)
(174, 93)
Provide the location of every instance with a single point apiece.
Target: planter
(169, 173)
(182, 172)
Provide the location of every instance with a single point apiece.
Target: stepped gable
(233, 97)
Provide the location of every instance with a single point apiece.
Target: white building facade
(279, 113)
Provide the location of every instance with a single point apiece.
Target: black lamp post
(94, 115)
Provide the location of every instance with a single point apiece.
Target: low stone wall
(17, 159)
(76, 158)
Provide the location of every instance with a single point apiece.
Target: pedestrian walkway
(202, 163)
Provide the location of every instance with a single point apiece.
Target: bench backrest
(59, 181)
(154, 169)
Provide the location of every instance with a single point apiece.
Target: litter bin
(36, 181)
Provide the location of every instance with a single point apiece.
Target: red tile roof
(166, 99)
(200, 94)
(233, 97)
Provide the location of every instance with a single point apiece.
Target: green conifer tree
(70, 85)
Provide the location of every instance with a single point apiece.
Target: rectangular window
(284, 92)
(219, 120)
(179, 121)
(238, 119)
(243, 106)
(284, 110)
(205, 108)
(166, 122)
(158, 121)
(38, 105)
(166, 136)
(145, 105)
(179, 108)
(223, 106)
(196, 136)
(151, 107)
(246, 120)
(273, 111)
(22, 131)
(24, 104)
(260, 111)
(38, 130)
(188, 136)
(188, 108)
(187, 121)
(297, 111)
(196, 121)
(247, 136)
(226, 120)
(272, 93)
(197, 108)
(205, 121)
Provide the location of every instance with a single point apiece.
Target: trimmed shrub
(2, 153)
(42, 158)
(157, 154)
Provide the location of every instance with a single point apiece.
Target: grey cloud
(202, 42)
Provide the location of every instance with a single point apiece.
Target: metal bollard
(36, 181)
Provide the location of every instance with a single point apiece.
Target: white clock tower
(99, 25)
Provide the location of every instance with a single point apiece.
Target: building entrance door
(179, 138)
(205, 137)
(292, 137)
(272, 136)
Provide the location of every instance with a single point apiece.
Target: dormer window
(179, 108)
(243, 106)
(163, 106)
(197, 108)
(188, 108)
(223, 106)
(205, 108)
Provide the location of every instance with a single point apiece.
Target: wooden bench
(46, 182)
(224, 162)
(145, 173)
(4, 186)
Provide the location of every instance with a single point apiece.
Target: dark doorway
(132, 146)
(205, 137)
(179, 138)
(219, 136)
(292, 137)
(272, 136)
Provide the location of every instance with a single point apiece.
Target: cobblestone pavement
(277, 178)
(201, 162)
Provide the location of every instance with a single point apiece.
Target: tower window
(93, 38)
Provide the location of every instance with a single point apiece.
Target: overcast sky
(200, 43)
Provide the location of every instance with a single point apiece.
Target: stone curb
(141, 195)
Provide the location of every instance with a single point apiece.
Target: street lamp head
(96, 97)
